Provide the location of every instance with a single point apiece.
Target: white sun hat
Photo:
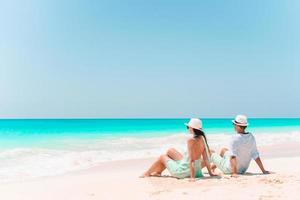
(194, 123)
(240, 120)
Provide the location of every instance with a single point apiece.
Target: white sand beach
(119, 180)
(94, 92)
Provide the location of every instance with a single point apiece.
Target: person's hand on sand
(213, 174)
(266, 172)
(234, 175)
(192, 180)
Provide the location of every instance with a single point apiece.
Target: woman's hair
(198, 133)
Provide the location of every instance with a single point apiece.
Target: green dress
(181, 168)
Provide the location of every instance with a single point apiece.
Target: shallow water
(34, 148)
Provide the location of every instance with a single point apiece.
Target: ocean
(45, 147)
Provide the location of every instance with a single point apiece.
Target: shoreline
(287, 150)
(100, 183)
(119, 179)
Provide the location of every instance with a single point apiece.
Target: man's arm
(261, 166)
(233, 166)
(233, 148)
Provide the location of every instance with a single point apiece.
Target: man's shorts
(223, 163)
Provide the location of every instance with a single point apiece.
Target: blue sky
(158, 58)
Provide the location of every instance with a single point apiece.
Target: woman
(190, 164)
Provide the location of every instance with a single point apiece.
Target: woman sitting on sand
(190, 164)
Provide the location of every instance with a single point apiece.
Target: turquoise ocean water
(33, 148)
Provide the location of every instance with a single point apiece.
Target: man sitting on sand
(242, 149)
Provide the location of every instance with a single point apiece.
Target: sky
(149, 59)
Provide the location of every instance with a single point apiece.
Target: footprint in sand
(91, 194)
(272, 181)
(158, 192)
(184, 193)
(266, 197)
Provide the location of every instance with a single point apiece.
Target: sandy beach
(119, 179)
(93, 93)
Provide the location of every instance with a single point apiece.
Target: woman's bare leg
(157, 167)
(174, 154)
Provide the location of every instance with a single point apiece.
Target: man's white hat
(194, 123)
(240, 120)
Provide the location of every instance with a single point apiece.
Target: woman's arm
(192, 162)
(207, 164)
(192, 169)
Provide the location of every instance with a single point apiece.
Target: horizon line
(139, 118)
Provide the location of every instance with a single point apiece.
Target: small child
(242, 149)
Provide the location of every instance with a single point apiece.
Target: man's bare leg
(223, 151)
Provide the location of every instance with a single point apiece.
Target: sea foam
(25, 163)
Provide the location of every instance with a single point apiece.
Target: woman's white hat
(194, 123)
(240, 120)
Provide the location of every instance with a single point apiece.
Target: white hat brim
(200, 129)
(233, 121)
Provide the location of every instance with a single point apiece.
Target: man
(242, 149)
